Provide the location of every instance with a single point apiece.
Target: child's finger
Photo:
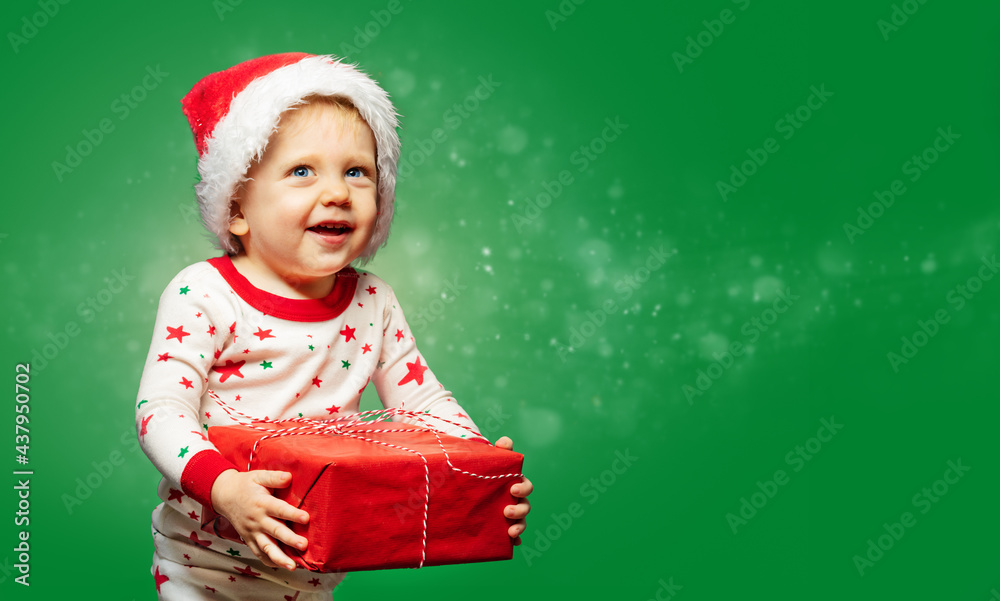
(280, 532)
(522, 489)
(252, 543)
(270, 550)
(505, 443)
(272, 479)
(283, 510)
(517, 512)
(516, 530)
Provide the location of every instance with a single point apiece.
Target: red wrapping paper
(366, 501)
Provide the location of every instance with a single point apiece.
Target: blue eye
(355, 172)
(301, 171)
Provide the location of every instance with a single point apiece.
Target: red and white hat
(234, 112)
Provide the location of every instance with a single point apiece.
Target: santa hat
(234, 112)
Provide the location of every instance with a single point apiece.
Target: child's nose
(334, 191)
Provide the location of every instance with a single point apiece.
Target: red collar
(292, 309)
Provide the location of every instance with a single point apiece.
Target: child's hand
(520, 490)
(244, 499)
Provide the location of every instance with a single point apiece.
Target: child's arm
(188, 331)
(404, 380)
(194, 324)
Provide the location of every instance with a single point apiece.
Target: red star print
(163, 357)
(333, 409)
(187, 557)
(360, 305)
(348, 333)
(246, 571)
(237, 397)
(194, 538)
(399, 335)
(160, 578)
(187, 383)
(463, 416)
(177, 333)
(145, 421)
(211, 589)
(218, 353)
(262, 334)
(314, 582)
(211, 330)
(246, 351)
(370, 289)
(175, 495)
(416, 373)
(317, 382)
(232, 579)
(366, 349)
(289, 598)
(229, 369)
(232, 328)
(193, 516)
(198, 314)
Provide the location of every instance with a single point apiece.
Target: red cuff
(200, 474)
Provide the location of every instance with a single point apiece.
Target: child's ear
(238, 225)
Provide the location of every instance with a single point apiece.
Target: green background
(571, 334)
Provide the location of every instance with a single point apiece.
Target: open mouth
(331, 229)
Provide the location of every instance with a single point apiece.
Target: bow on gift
(354, 426)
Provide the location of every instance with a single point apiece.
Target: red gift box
(380, 494)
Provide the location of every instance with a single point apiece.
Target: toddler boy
(298, 162)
